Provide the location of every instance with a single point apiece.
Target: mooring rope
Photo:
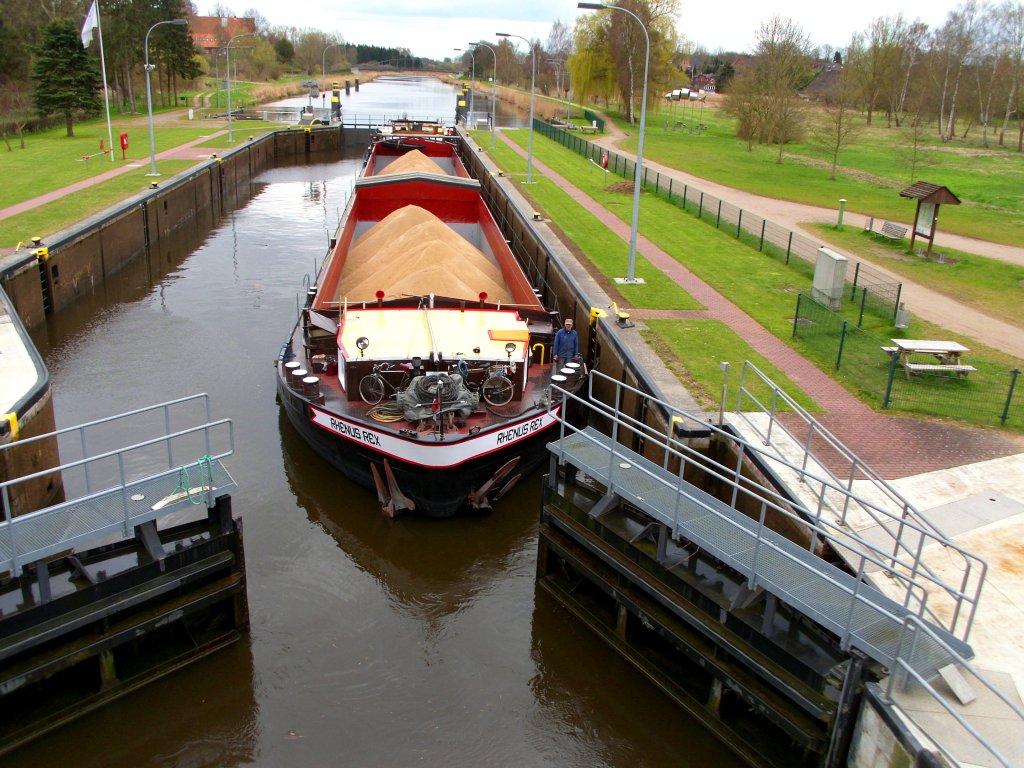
(185, 481)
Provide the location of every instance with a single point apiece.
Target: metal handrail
(916, 577)
(859, 594)
(82, 427)
(906, 511)
(9, 522)
(908, 637)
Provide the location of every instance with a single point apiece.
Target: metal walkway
(115, 511)
(858, 613)
(148, 484)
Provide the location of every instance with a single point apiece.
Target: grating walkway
(855, 611)
(117, 510)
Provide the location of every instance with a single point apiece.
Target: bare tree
(1012, 23)
(15, 111)
(840, 126)
(991, 67)
(955, 43)
(782, 66)
(910, 55)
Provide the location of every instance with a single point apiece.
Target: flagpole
(106, 96)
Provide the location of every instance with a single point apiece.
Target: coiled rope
(185, 482)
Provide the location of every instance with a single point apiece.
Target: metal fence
(869, 287)
(988, 395)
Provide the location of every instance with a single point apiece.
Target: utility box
(829, 278)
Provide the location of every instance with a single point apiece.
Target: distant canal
(373, 642)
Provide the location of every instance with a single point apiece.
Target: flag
(91, 22)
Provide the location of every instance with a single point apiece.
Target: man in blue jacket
(567, 344)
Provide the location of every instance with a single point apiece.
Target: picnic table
(946, 354)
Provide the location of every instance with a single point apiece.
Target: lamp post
(560, 64)
(638, 177)
(472, 83)
(149, 96)
(231, 135)
(494, 88)
(533, 80)
(323, 64)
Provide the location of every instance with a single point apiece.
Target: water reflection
(205, 714)
(424, 98)
(430, 568)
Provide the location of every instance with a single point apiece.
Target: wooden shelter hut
(929, 197)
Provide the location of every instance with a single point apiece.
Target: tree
(264, 61)
(619, 40)
(840, 106)
(15, 110)
(284, 50)
(764, 97)
(589, 67)
(67, 80)
(955, 42)
(309, 50)
(1013, 29)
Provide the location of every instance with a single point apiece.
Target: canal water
(374, 642)
(423, 98)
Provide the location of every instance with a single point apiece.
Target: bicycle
(375, 385)
(496, 389)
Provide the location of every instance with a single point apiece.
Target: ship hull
(438, 478)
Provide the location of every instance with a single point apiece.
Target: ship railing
(1003, 718)
(906, 574)
(110, 490)
(888, 513)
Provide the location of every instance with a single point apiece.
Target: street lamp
(323, 64)
(472, 83)
(533, 80)
(638, 177)
(494, 88)
(231, 135)
(560, 64)
(149, 96)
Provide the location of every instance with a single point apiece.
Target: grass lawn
(61, 159)
(879, 162)
(764, 288)
(598, 244)
(53, 217)
(51, 160)
(693, 349)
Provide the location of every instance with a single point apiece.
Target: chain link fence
(866, 286)
(988, 395)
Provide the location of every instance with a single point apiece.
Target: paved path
(894, 446)
(923, 302)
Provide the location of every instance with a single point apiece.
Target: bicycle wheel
(371, 389)
(497, 390)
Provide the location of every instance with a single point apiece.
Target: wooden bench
(892, 231)
(959, 370)
(588, 129)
